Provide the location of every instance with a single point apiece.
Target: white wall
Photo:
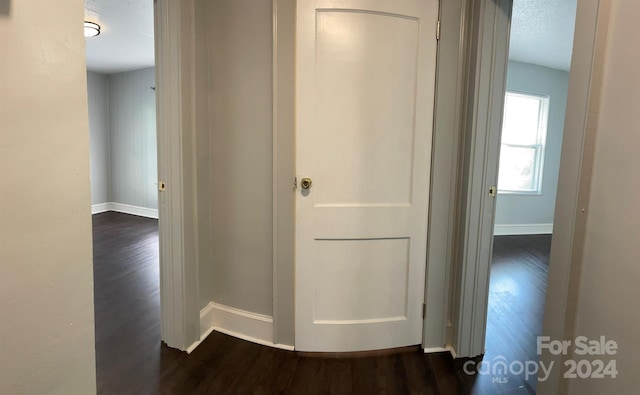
(46, 278)
(538, 210)
(99, 141)
(122, 123)
(241, 178)
(203, 162)
(608, 281)
(132, 128)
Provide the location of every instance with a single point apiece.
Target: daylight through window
(524, 131)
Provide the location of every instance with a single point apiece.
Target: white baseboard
(135, 210)
(245, 325)
(125, 208)
(452, 351)
(100, 208)
(202, 337)
(430, 350)
(447, 348)
(523, 229)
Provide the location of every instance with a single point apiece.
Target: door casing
(470, 273)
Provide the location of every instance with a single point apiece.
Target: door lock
(305, 183)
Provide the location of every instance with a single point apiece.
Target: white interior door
(365, 72)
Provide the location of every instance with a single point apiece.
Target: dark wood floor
(127, 302)
(131, 360)
(517, 293)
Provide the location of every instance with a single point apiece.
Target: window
(524, 130)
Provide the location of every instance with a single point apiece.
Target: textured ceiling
(126, 39)
(542, 32)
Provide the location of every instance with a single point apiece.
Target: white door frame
(490, 26)
(448, 115)
(470, 289)
(180, 230)
(175, 90)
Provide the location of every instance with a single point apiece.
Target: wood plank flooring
(517, 292)
(127, 302)
(131, 359)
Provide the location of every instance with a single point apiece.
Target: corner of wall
(109, 155)
(245, 325)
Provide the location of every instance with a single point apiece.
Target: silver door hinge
(438, 30)
(295, 183)
(493, 191)
(424, 310)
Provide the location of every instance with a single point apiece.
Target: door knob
(306, 183)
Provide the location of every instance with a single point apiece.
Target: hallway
(131, 359)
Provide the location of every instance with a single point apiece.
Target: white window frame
(539, 146)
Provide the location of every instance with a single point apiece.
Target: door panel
(379, 267)
(360, 55)
(364, 101)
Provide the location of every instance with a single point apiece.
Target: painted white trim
(253, 339)
(490, 21)
(197, 343)
(245, 325)
(135, 210)
(430, 350)
(125, 208)
(281, 346)
(100, 208)
(522, 229)
(445, 169)
(241, 322)
(175, 40)
(206, 318)
(452, 350)
(447, 347)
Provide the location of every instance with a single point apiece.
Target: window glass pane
(521, 119)
(518, 168)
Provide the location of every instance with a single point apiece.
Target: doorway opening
(531, 140)
(124, 190)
